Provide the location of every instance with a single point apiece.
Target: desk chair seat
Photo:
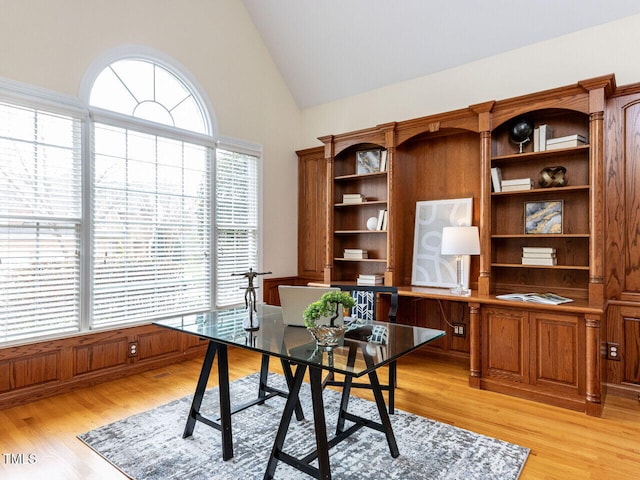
(364, 312)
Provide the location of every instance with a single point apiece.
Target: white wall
(51, 43)
(609, 48)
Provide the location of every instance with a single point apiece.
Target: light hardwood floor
(564, 444)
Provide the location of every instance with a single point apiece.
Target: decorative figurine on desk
(250, 297)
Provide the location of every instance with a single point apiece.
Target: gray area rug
(149, 445)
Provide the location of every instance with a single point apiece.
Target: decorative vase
(553, 177)
(326, 336)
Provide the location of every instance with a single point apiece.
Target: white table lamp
(460, 241)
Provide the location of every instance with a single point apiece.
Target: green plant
(327, 306)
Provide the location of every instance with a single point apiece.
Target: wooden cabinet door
(557, 351)
(505, 344)
(312, 205)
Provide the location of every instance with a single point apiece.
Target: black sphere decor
(521, 131)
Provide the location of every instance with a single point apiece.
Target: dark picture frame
(543, 217)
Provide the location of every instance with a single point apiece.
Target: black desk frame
(223, 423)
(294, 382)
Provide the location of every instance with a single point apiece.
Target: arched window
(144, 89)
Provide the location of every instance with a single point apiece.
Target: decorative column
(484, 127)
(328, 256)
(475, 367)
(593, 405)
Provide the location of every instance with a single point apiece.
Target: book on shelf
(363, 279)
(538, 255)
(371, 276)
(566, 142)
(545, 132)
(355, 253)
(496, 179)
(517, 181)
(517, 184)
(383, 161)
(546, 298)
(353, 198)
(517, 188)
(536, 139)
(538, 250)
(550, 261)
(381, 219)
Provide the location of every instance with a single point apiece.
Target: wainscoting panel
(98, 356)
(38, 370)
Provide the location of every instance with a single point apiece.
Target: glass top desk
(364, 350)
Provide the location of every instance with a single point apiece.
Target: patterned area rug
(149, 446)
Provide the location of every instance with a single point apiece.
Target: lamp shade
(460, 241)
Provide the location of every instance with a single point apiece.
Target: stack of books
(353, 198)
(517, 184)
(375, 279)
(355, 253)
(539, 256)
(566, 142)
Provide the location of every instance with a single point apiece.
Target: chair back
(365, 297)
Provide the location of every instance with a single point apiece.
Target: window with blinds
(120, 229)
(151, 226)
(40, 222)
(236, 225)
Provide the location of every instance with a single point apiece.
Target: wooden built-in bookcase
(450, 155)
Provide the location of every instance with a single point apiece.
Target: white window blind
(236, 223)
(40, 220)
(151, 226)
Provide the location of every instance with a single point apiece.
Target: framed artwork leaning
(430, 268)
(368, 161)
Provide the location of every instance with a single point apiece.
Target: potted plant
(327, 307)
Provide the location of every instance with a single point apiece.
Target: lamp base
(460, 291)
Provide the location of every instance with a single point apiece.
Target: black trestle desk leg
(200, 389)
(287, 413)
(384, 415)
(264, 372)
(322, 445)
(346, 391)
(225, 402)
(288, 375)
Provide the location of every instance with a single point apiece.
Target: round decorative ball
(521, 130)
(372, 223)
(553, 177)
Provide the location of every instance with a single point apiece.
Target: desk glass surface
(297, 345)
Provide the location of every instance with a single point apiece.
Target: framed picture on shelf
(368, 161)
(543, 217)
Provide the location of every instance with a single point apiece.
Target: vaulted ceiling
(330, 49)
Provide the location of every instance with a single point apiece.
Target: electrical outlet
(459, 330)
(613, 351)
(133, 349)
